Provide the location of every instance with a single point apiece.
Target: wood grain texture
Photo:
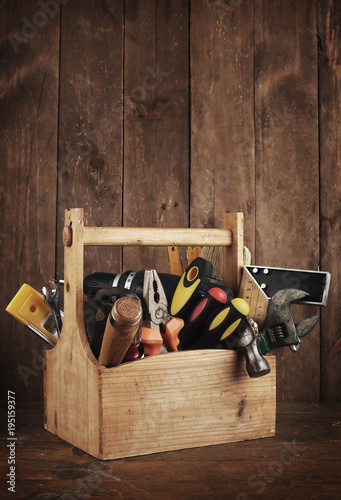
(287, 190)
(222, 113)
(233, 254)
(193, 79)
(156, 138)
(91, 122)
(28, 116)
(301, 461)
(329, 17)
(148, 236)
(184, 400)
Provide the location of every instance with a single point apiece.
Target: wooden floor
(303, 462)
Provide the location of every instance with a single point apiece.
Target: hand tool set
(142, 313)
(203, 333)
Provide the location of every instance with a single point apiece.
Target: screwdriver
(231, 327)
(192, 285)
(222, 325)
(213, 299)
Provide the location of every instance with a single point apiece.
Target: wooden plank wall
(168, 113)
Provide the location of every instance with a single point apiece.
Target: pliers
(158, 327)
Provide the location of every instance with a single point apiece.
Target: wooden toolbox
(160, 403)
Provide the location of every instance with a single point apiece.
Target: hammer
(231, 327)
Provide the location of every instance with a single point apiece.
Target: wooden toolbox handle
(76, 236)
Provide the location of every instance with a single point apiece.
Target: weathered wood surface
(163, 113)
(329, 31)
(29, 72)
(156, 104)
(222, 114)
(302, 461)
(90, 168)
(287, 173)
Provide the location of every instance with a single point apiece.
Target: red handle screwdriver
(213, 299)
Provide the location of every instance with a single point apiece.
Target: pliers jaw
(280, 329)
(158, 326)
(154, 300)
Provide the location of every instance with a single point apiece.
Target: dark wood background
(168, 113)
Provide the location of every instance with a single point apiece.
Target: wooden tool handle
(122, 325)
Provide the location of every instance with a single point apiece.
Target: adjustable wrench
(280, 329)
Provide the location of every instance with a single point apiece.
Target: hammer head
(244, 340)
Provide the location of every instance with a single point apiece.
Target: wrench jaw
(306, 325)
(280, 329)
(279, 335)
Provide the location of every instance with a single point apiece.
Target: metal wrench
(53, 301)
(280, 329)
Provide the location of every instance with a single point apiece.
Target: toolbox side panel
(71, 397)
(184, 400)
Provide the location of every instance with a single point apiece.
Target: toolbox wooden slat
(161, 403)
(155, 236)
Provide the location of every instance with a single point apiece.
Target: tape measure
(254, 295)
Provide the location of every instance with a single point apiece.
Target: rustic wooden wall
(168, 113)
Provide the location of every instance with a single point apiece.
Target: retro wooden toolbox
(160, 403)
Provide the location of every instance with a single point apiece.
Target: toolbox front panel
(184, 400)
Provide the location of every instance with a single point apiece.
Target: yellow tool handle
(175, 261)
(192, 253)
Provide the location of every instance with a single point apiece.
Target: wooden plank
(157, 236)
(233, 256)
(301, 461)
(71, 398)
(184, 400)
(329, 33)
(28, 115)
(156, 123)
(90, 122)
(287, 189)
(222, 114)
